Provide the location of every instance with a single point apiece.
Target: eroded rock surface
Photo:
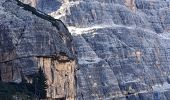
(61, 77)
(30, 39)
(122, 47)
(131, 4)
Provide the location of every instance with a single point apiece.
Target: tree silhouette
(40, 84)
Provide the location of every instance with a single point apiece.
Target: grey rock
(24, 34)
(30, 39)
(122, 47)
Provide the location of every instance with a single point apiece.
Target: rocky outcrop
(121, 46)
(30, 39)
(44, 5)
(131, 4)
(61, 77)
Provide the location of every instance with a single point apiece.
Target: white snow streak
(78, 31)
(89, 61)
(161, 88)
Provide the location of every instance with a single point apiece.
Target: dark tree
(40, 84)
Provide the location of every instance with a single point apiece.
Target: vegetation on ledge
(25, 91)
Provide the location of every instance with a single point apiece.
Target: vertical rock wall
(60, 77)
(30, 39)
(122, 47)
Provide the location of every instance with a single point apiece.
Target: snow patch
(89, 60)
(92, 29)
(77, 31)
(61, 12)
(132, 81)
(161, 88)
(165, 35)
(143, 91)
(82, 30)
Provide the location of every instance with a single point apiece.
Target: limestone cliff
(122, 46)
(61, 77)
(30, 39)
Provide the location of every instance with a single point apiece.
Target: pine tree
(41, 84)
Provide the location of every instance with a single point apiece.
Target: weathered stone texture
(131, 4)
(122, 47)
(60, 76)
(29, 41)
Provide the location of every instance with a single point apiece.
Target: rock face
(43, 5)
(122, 46)
(130, 4)
(30, 39)
(60, 77)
